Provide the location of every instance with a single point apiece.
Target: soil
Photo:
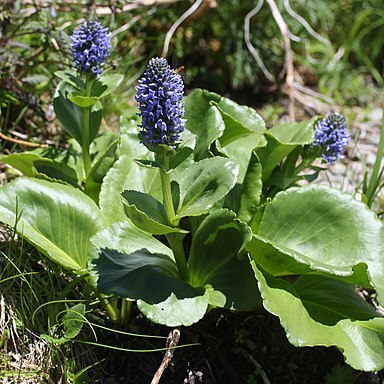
(236, 348)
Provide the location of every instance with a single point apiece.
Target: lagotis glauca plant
(197, 205)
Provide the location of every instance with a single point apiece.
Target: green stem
(126, 309)
(85, 128)
(113, 313)
(375, 177)
(166, 188)
(175, 240)
(303, 165)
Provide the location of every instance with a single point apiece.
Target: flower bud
(91, 46)
(331, 135)
(160, 100)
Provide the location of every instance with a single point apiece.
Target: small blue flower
(331, 135)
(160, 97)
(91, 46)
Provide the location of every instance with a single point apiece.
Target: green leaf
(282, 140)
(101, 144)
(103, 151)
(70, 156)
(299, 133)
(241, 151)
(185, 149)
(101, 87)
(58, 219)
(95, 120)
(325, 229)
(244, 131)
(203, 184)
(105, 85)
(251, 190)
(82, 101)
(125, 174)
(316, 310)
(239, 120)
(203, 119)
(132, 264)
(71, 78)
(277, 264)
(73, 321)
(33, 165)
(174, 312)
(69, 114)
(147, 213)
(214, 260)
(21, 161)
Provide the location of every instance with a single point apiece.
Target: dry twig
(172, 341)
(177, 24)
(247, 38)
(290, 81)
(22, 142)
(304, 23)
(100, 8)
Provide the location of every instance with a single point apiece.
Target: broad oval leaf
(103, 153)
(299, 133)
(282, 140)
(126, 174)
(214, 260)
(21, 161)
(71, 78)
(58, 219)
(70, 156)
(132, 264)
(69, 114)
(203, 184)
(82, 101)
(33, 165)
(277, 263)
(147, 213)
(240, 121)
(174, 312)
(327, 230)
(251, 189)
(320, 311)
(123, 175)
(203, 119)
(106, 84)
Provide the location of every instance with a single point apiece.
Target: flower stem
(85, 120)
(166, 187)
(113, 313)
(175, 240)
(374, 181)
(126, 309)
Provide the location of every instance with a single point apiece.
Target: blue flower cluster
(331, 135)
(159, 95)
(91, 46)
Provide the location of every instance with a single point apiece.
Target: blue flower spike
(160, 100)
(331, 136)
(91, 46)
